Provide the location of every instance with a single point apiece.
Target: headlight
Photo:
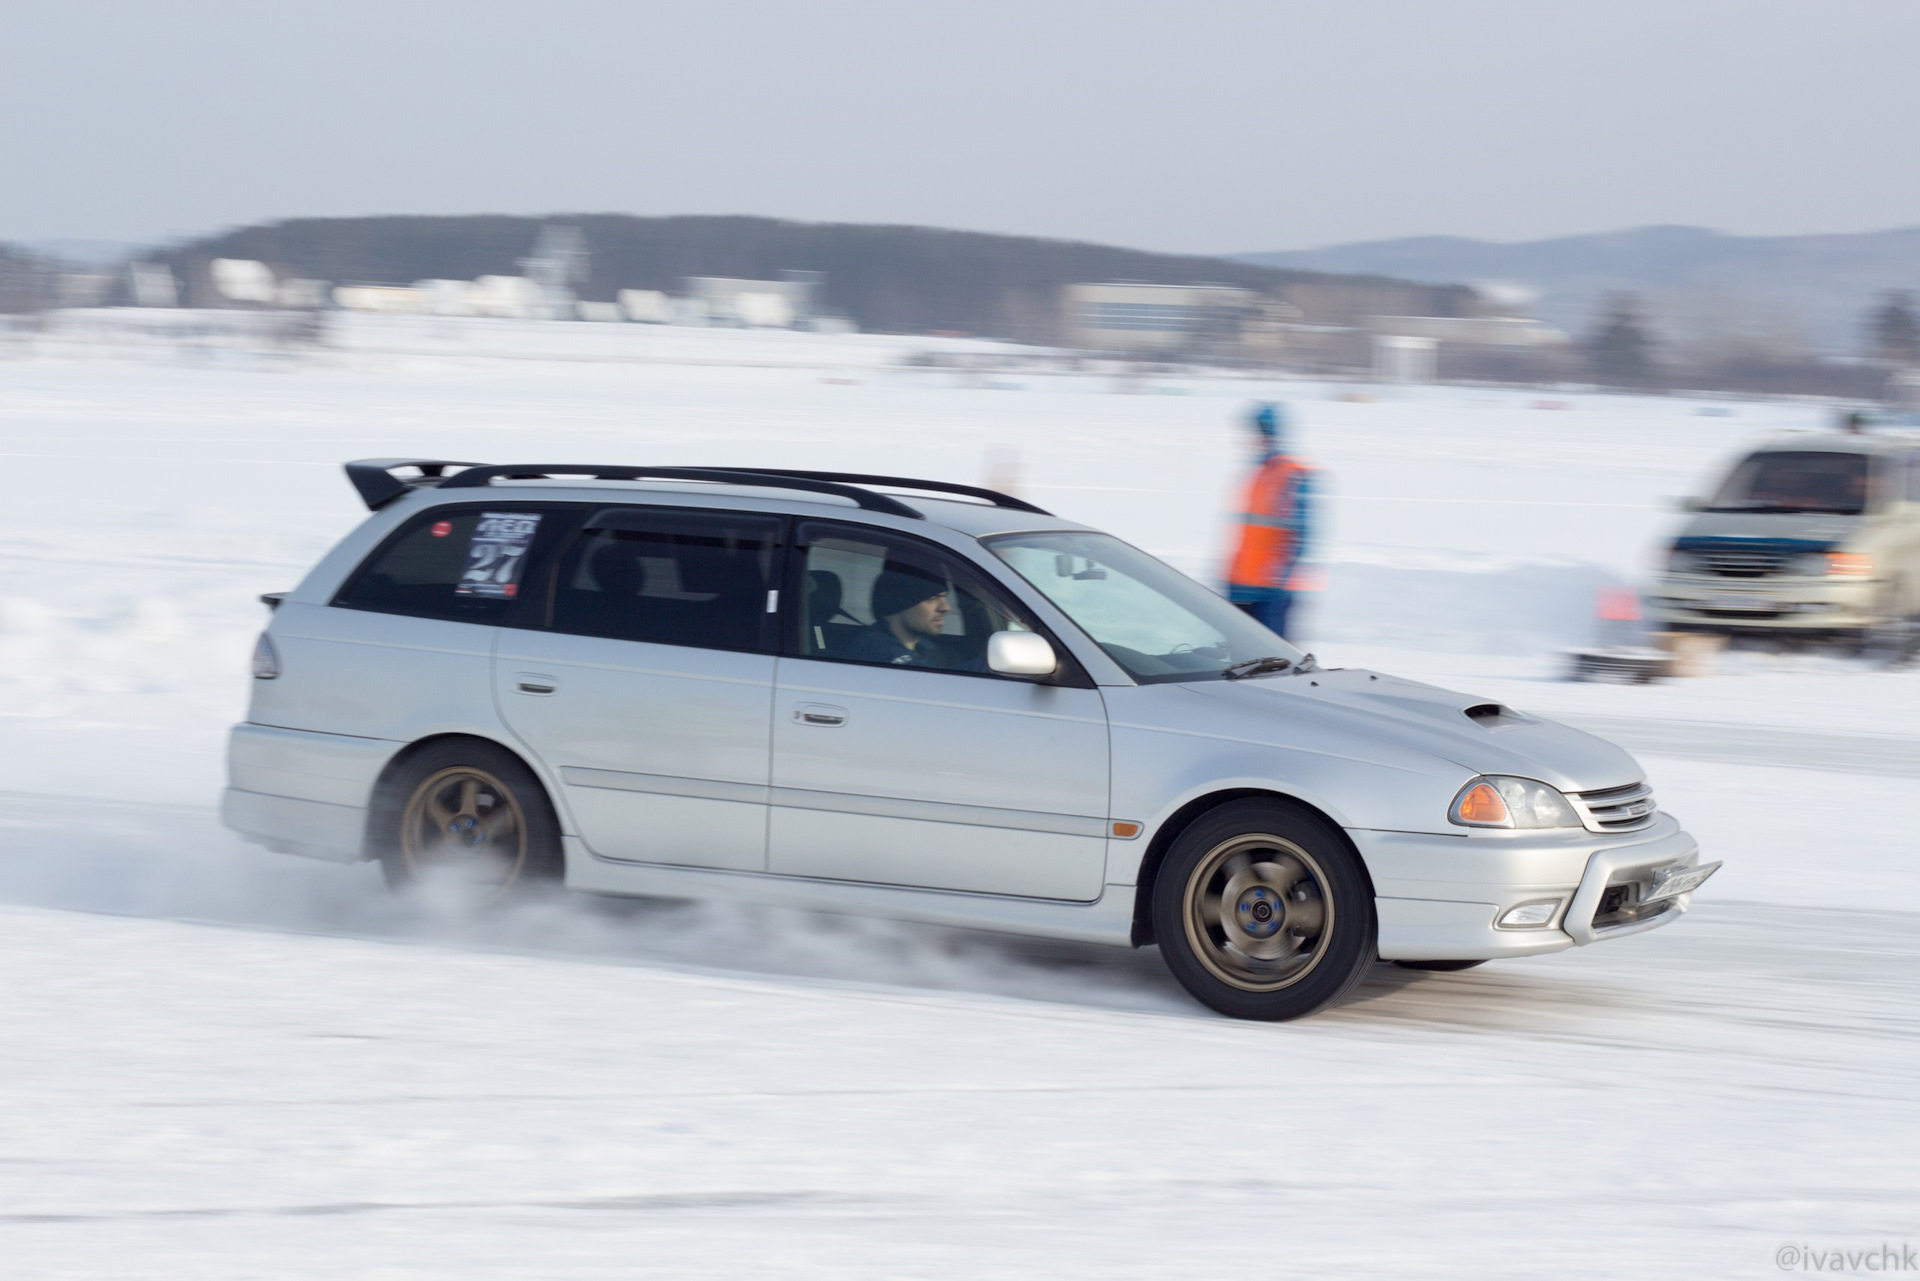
(1850, 564)
(1499, 801)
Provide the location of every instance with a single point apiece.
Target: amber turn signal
(1850, 564)
(1126, 831)
(1483, 806)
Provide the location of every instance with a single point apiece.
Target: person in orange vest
(1276, 524)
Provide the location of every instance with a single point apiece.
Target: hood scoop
(1496, 716)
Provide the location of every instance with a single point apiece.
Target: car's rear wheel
(469, 820)
(1264, 911)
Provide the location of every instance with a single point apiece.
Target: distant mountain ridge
(894, 279)
(1822, 282)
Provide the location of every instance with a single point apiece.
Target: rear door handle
(535, 683)
(820, 714)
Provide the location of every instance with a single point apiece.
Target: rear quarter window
(467, 565)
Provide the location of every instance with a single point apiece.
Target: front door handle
(535, 683)
(820, 714)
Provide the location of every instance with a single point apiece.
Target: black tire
(1439, 967)
(1225, 881)
(467, 815)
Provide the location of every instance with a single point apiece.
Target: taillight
(266, 659)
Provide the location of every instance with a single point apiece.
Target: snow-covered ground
(219, 1062)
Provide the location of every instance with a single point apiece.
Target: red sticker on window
(441, 528)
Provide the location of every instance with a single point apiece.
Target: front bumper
(1776, 602)
(1438, 897)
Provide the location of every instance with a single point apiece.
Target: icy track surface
(221, 1063)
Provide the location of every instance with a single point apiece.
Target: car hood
(1292, 710)
(1805, 531)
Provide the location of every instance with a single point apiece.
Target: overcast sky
(1189, 126)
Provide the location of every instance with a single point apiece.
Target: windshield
(1821, 481)
(1150, 618)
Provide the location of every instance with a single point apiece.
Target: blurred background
(1530, 282)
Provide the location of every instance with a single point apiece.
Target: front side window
(462, 565)
(870, 597)
(1150, 618)
(670, 578)
(1822, 482)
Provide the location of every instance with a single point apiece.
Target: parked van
(1813, 535)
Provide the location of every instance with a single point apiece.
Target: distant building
(647, 306)
(1470, 331)
(1154, 319)
(151, 284)
(1421, 349)
(1398, 358)
(1181, 321)
(1903, 388)
(755, 304)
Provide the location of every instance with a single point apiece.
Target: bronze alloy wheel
(1258, 912)
(462, 825)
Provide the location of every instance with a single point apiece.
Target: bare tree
(1620, 352)
(1893, 332)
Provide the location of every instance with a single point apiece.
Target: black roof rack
(479, 477)
(378, 486)
(993, 496)
(375, 480)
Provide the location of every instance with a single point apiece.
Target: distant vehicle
(799, 688)
(1810, 535)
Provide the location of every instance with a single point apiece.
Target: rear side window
(467, 565)
(671, 578)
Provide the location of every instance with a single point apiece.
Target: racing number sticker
(496, 553)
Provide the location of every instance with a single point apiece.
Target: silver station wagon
(911, 699)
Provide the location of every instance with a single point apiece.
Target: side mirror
(1020, 654)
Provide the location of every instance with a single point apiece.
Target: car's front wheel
(467, 819)
(1263, 911)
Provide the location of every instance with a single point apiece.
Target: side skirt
(1108, 919)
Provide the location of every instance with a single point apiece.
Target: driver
(910, 607)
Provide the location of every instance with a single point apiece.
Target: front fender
(1159, 769)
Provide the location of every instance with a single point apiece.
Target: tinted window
(465, 565)
(671, 578)
(868, 597)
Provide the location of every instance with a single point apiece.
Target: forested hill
(885, 278)
(1689, 277)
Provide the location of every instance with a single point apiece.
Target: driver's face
(926, 618)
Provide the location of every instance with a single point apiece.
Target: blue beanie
(1270, 420)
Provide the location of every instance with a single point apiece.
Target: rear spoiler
(375, 480)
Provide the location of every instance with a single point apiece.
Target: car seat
(736, 587)
(608, 608)
(826, 599)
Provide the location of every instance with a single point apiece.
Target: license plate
(1738, 600)
(1671, 881)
